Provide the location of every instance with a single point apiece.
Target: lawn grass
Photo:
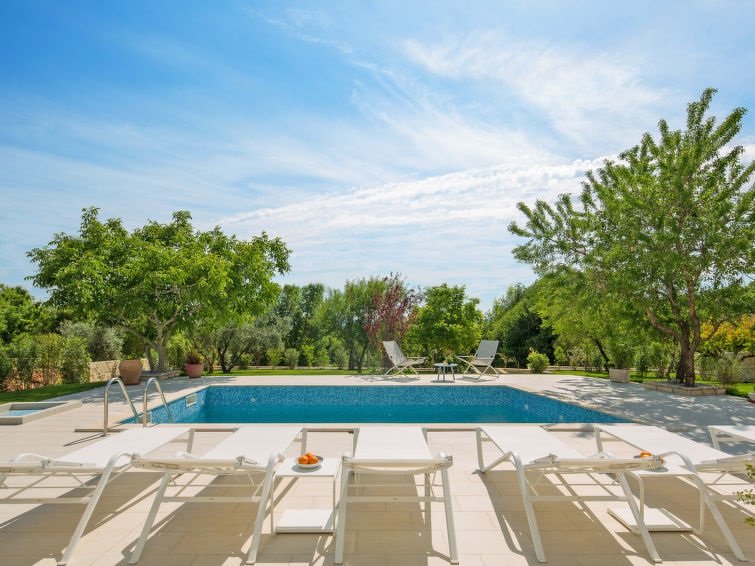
(47, 392)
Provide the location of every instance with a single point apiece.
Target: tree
(391, 312)
(160, 277)
(345, 315)
(21, 314)
(516, 323)
(667, 229)
(447, 321)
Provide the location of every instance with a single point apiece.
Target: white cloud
(447, 228)
(587, 96)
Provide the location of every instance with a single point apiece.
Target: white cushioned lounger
(695, 457)
(388, 450)
(248, 452)
(534, 450)
(106, 458)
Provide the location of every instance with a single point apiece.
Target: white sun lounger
(735, 433)
(397, 451)
(534, 453)
(107, 458)
(249, 452)
(695, 457)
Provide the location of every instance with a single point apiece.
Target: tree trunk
(685, 371)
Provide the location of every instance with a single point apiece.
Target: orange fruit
(309, 454)
(312, 459)
(303, 460)
(645, 455)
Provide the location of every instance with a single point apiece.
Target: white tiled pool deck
(490, 521)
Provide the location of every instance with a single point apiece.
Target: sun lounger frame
(424, 464)
(119, 451)
(551, 464)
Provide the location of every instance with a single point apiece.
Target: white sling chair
(696, 458)
(248, 453)
(735, 433)
(483, 358)
(398, 359)
(535, 453)
(393, 451)
(107, 459)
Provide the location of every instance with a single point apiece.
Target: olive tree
(158, 278)
(667, 229)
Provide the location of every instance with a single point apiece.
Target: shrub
(103, 342)
(274, 357)
(23, 350)
(49, 357)
(309, 353)
(6, 367)
(75, 366)
(537, 362)
(729, 369)
(340, 357)
(559, 356)
(291, 355)
(642, 362)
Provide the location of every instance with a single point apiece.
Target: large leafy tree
(392, 310)
(448, 320)
(667, 229)
(516, 323)
(160, 277)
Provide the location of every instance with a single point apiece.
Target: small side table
(306, 520)
(443, 368)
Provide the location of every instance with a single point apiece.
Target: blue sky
(373, 137)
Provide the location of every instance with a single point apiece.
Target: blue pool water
(372, 404)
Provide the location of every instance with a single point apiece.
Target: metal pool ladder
(119, 381)
(162, 397)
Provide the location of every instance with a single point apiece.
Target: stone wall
(102, 371)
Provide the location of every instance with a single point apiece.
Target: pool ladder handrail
(106, 403)
(162, 397)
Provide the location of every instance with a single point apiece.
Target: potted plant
(622, 359)
(130, 370)
(194, 365)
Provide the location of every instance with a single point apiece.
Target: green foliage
(6, 366)
(49, 357)
(291, 356)
(642, 361)
(158, 278)
(515, 322)
(666, 231)
(559, 356)
(103, 343)
(23, 351)
(308, 352)
(75, 364)
(729, 369)
(537, 362)
(748, 496)
(447, 321)
(274, 357)
(621, 355)
(340, 357)
(178, 351)
(21, 314)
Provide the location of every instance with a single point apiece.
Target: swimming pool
(372, 404)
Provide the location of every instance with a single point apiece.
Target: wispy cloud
(442, 228)
(588, 97)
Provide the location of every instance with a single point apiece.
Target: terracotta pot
(130, 371)
(194, 370)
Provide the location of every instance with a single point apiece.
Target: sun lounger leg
(530, 510)
(150, 519)
(94, 499)
(264, 496)
(341, 516)
(452, 550)
(639, 519)
(711, 505)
